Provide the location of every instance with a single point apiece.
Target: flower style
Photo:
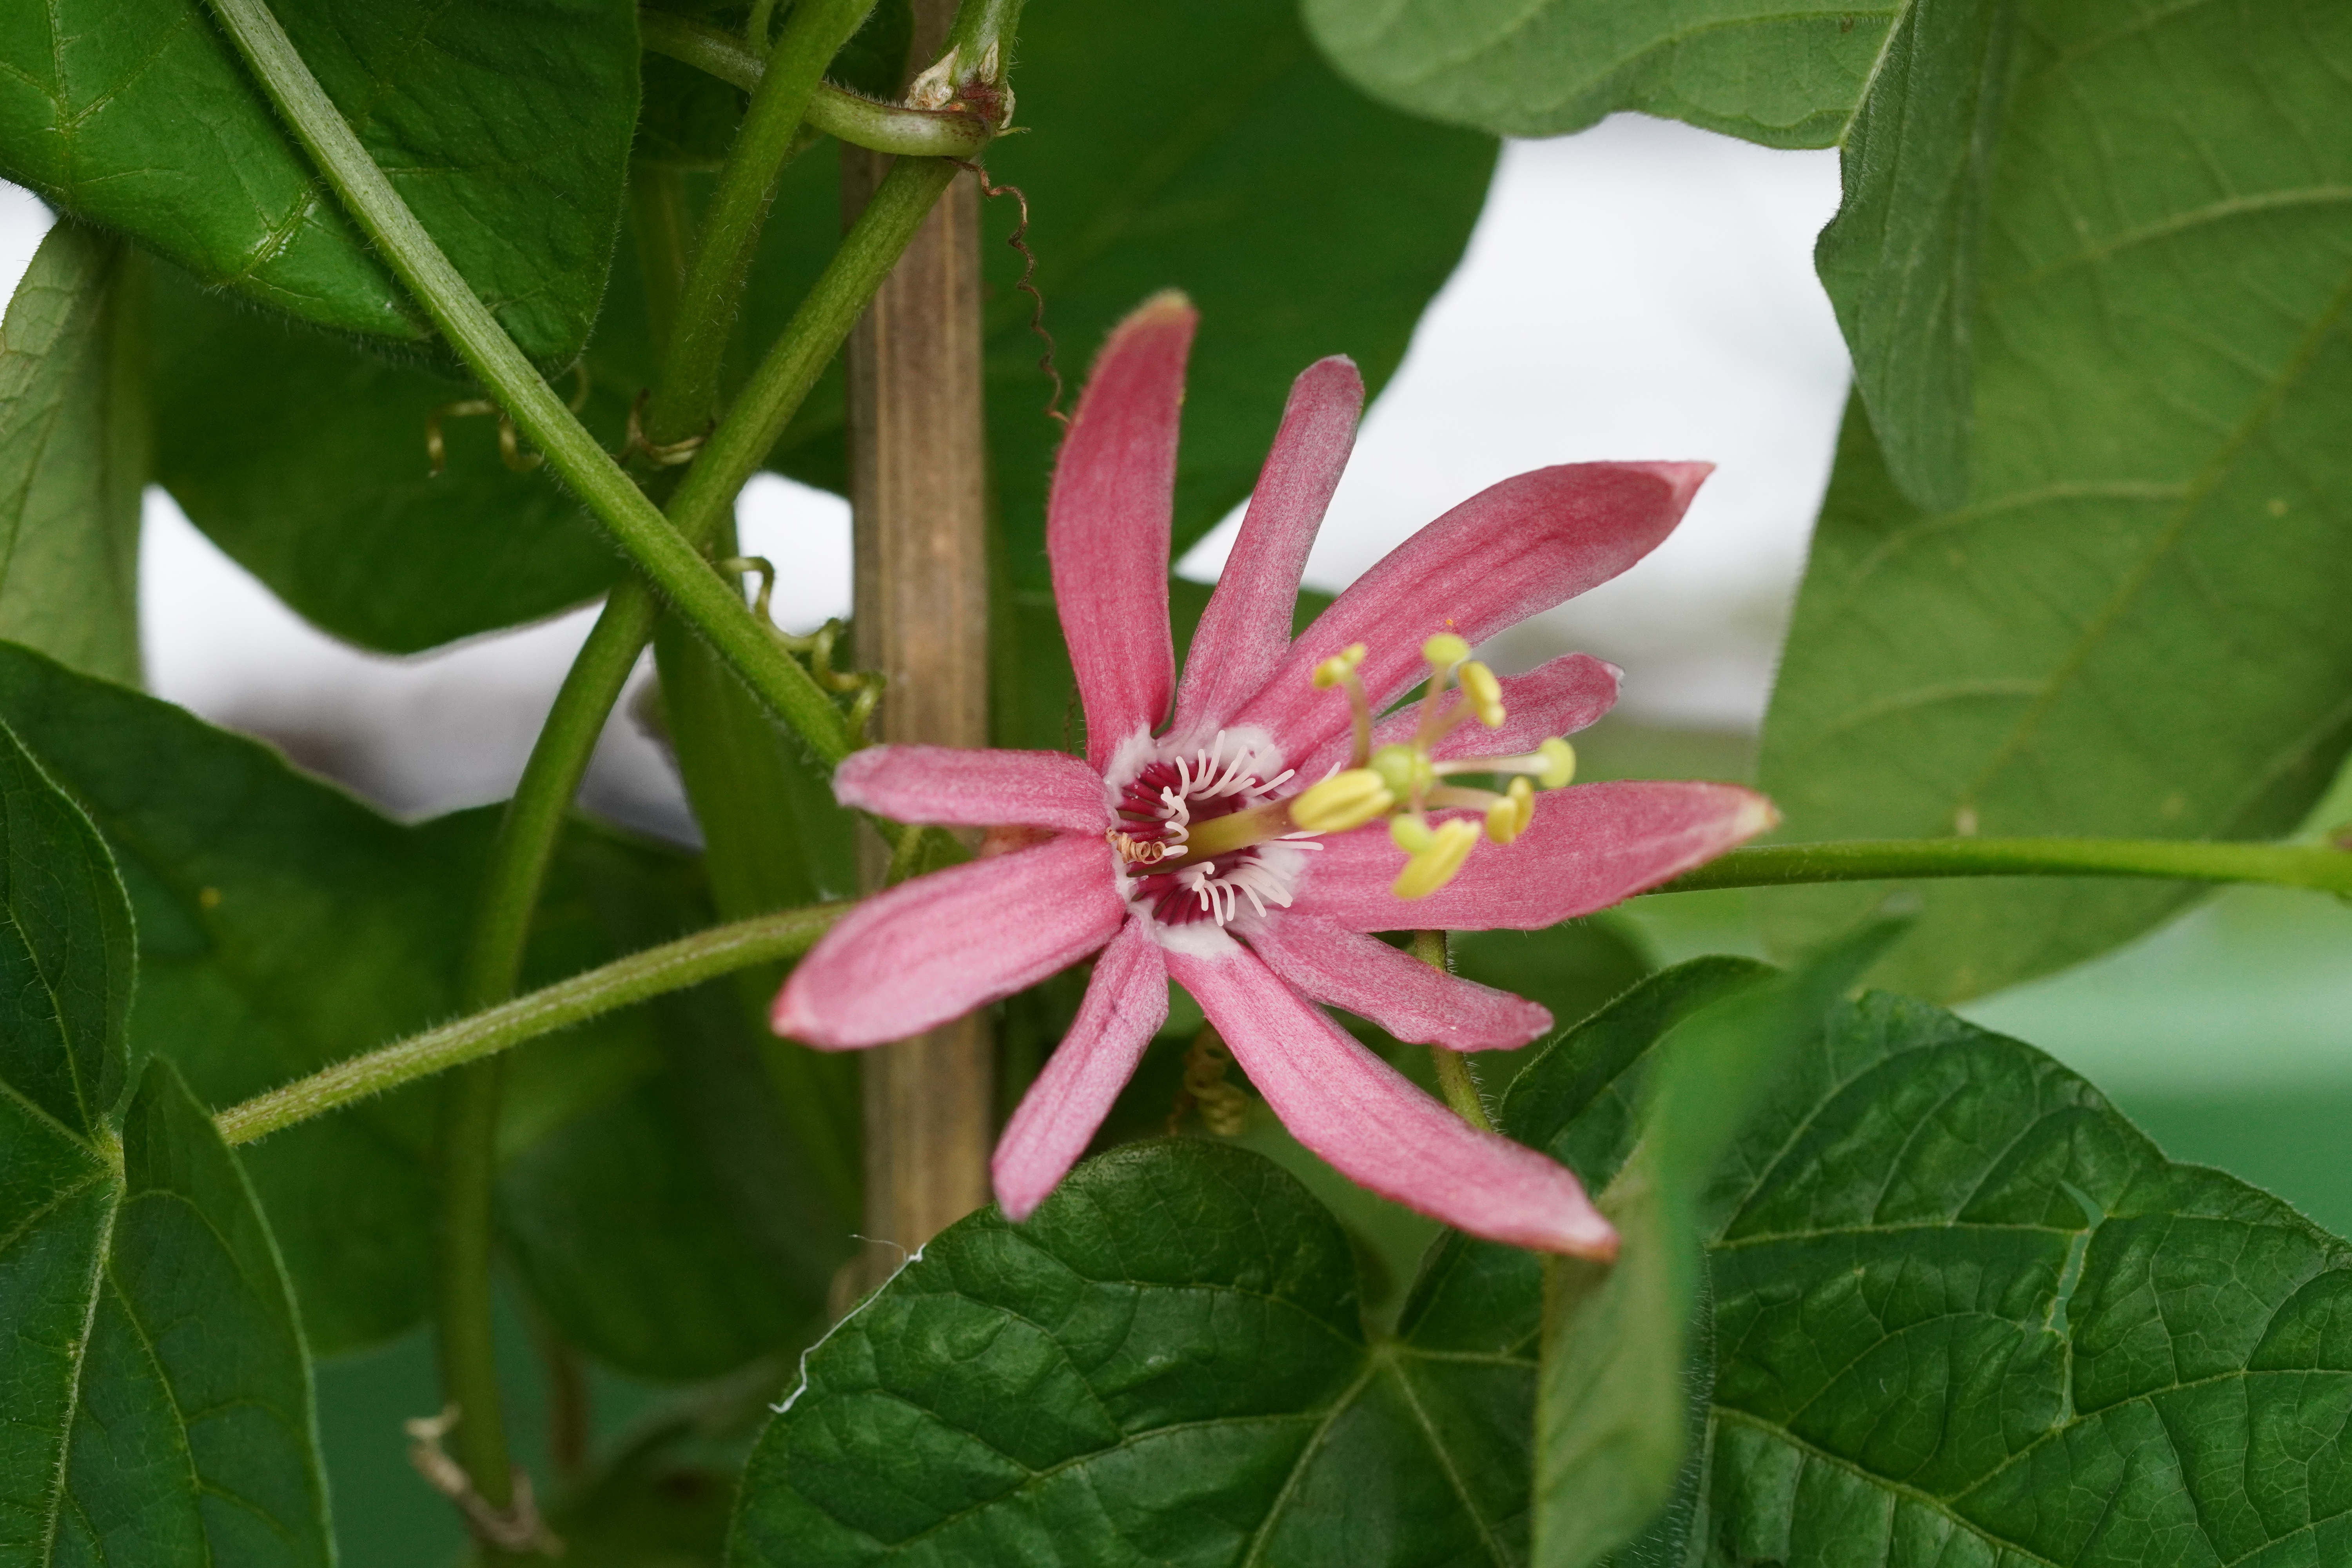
(1247, 849)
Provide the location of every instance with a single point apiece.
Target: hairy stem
(673, 966)
(1454, 1079)
(837, 111)
(687, 391)
(657, 214)
(1904, 859)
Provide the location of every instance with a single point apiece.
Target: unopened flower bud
(1452, 842)
(1559, 763)
(1343, 801)
(1484, 692)
(1445, 650)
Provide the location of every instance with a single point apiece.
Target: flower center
(1207, 815)
(1201, 831)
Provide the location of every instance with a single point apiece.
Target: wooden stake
(918, 485)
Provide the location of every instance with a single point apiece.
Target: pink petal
(1108, 521)
(1589, 846)
(1379, 1130)
(1557, 698)
(939, 946)
(1411, 1001)
(1126, 1003)
(1246, 628)
(1509, 551)
(958, 787)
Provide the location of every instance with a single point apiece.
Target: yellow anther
(1558, 763)
(1338, 666)
(1433, 867)
(1343, 801)
(1503, 819)
(1445, 650)
(1410, 834)
(1484, 692)
(1403, 769)
(1523, 795)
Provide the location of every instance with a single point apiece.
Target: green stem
(782, 381)
(678, 569)
(687, 393)
(465, 1157)
(673, 966)
(837, 111)
(657, 214)
(2165, 859)
(1455, 1082)
(542, 797)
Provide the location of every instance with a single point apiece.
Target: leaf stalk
(1904, 859)
(673, 966)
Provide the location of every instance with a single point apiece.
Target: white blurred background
(1641, 290)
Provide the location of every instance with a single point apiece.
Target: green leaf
(1900, 260)
(282, 926)
(507, 130)
(157, 1386)
(305, 460)
(285, 926)
(73, 453)
(1959, 1300)
(1613, 1413)
(656, 1193)
(2134, 625)
(1786, 75)
(65, 959)
(1168, 1357)
(1960, 1310)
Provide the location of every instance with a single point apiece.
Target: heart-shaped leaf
(506, 129)
(156, 1386)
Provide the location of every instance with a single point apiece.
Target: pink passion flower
(1248, 848)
